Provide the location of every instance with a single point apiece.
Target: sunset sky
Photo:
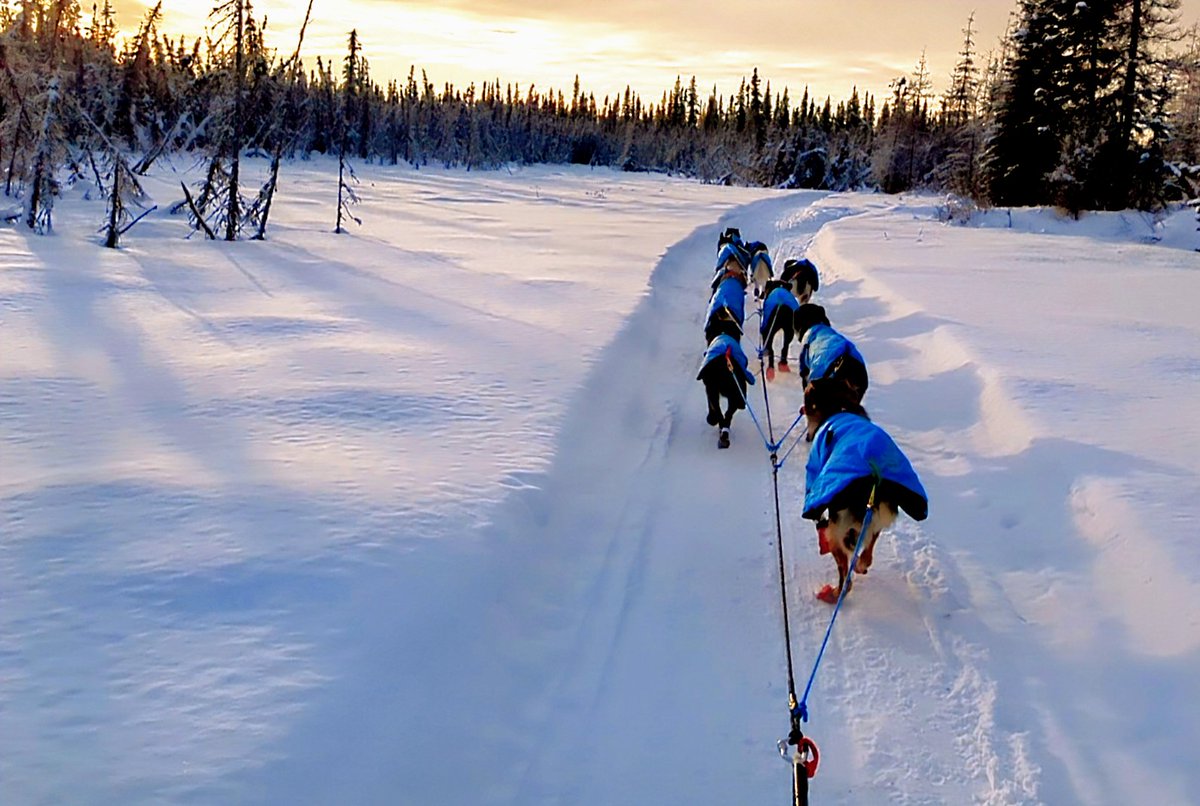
(828, 45)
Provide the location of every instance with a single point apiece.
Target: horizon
(548, 44)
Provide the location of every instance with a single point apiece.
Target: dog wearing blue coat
(853, 466)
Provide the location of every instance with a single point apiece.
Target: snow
(429, 512)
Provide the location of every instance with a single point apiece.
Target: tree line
(1084, 105)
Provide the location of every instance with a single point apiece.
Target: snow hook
(808, 756)
(804, 764)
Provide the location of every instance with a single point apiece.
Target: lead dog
(853, 465)
(760, 268)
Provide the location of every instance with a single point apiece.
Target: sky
(827, 45)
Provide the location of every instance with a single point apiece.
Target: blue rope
(783, 438)
(750, 408)
(794, 444)
(802, 708)
(772, 447)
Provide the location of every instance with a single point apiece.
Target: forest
(1081, 105)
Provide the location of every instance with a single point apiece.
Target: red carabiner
(812, 756)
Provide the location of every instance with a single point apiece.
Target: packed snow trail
(594, 669)
(431, 514)
(631, 649)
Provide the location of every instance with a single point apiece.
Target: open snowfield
(428, 513)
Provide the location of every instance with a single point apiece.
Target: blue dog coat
(820, 349)
(716, 351)
(847, 448)
(780, 296)
(731, 294)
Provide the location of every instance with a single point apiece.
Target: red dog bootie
(770, 373)
(828, 594)
(783, 367)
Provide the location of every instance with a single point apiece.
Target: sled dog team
(852, 464)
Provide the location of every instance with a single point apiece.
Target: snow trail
(438, 519)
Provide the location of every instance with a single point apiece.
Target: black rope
(804, 758)
(795, 736)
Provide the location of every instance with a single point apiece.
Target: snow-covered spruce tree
(960, 123)
(1081, 120)
(48, 155)
(1141, 136)
(285, 120)
(1023, 147)
(135, 112)
(18, 131)
(1086, 94)
(899, 131)
(113, 176)
(1184, 149)
(849, 144)
(46, 42)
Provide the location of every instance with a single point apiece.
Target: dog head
(825, 398)
(802, 274)
(806, 316)
(802, 291)
(730, 235)
(772, 285)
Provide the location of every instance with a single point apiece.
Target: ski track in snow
(220, 453)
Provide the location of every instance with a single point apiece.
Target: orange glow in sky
(828, 45)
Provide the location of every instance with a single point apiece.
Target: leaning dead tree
(217, 207)
(289, 118)
(353, 74)
(115, 179)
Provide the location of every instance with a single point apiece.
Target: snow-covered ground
(429, 513)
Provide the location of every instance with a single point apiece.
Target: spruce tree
(1023, 148)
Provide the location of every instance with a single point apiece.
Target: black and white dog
(778, 317)
(760, 268)
(853, 467)
(801, 275)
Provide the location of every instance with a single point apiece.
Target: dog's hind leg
(714, 403)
